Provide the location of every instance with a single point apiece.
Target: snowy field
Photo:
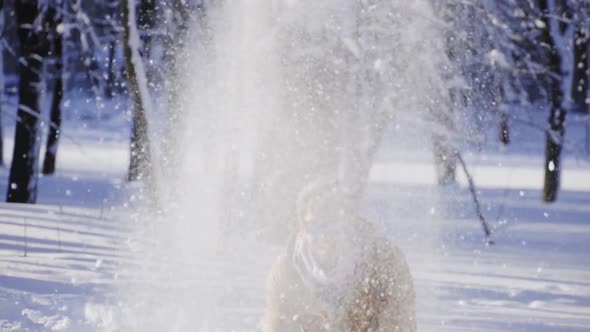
(68, 263)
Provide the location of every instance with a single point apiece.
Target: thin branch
(484, 225)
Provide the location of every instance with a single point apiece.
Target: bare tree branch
(484, 225)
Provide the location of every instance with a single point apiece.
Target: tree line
(501, 56)
(106, 40)
(519, 54)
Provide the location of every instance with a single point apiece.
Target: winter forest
(294, 165)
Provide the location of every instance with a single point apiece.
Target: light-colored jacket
(380, 297)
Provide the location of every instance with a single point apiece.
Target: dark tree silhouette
(1, 85)
(22, 183)
(113, 18)
(557, 113)
(504, 133)
(146, 22)
(110, 82)
(581, 70)
(54, 19)
(139, 165)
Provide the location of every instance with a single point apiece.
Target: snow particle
(13, 186)
(540, 24)
(551, 166)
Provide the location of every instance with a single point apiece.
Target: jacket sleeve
(400, 313)
(274, 304)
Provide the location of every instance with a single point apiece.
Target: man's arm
(400, 312)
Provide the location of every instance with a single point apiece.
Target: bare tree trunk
(114, 12)
(504, 129)
(55, 129)
(445, 159)
(1, 122)
(146, 23)
(557, 113)
(581, 71)
(140, 163)
(22, 183)
(55, 112)
(2, 87)
(445, 154)
(110, 82)
(552, 168)
(501, 105)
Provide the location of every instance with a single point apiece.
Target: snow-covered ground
(70, 264)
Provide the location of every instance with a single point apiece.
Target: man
(338, 274)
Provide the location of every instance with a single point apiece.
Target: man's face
(329, 227)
